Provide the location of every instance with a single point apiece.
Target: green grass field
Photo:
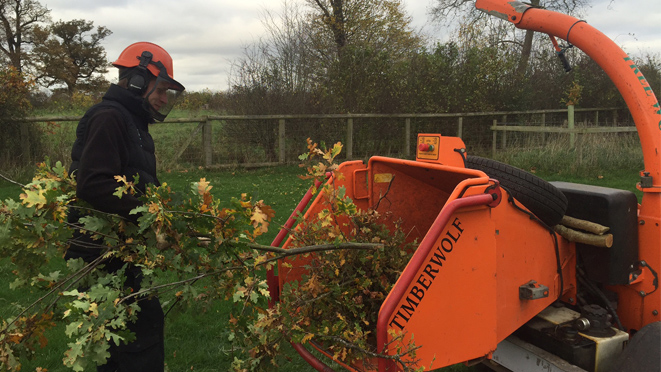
(196, 339)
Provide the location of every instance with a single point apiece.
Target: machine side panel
(449, 307)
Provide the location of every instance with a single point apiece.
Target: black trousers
(147, 352)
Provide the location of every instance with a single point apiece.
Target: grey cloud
(204, 37)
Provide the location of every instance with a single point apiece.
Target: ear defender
(140, 78)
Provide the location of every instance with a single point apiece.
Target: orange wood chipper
(492, 280)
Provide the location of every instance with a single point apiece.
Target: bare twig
(85, 269)
(282, 254)
(396, 357)
(197, 214)
(11, 181)
(384, 196)
(311, 248)
(71, 206)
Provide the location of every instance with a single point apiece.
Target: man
(113, 139)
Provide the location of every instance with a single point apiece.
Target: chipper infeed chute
(461, 286)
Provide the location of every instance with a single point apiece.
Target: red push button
(425, 147)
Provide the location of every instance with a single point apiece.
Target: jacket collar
(131, 101)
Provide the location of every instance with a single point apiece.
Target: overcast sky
(204, 36)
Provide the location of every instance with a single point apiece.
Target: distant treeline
(446, 78)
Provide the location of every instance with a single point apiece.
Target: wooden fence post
(349, 138)
(596, 118)
(25, 141)
(460, 127)
(570, 125)
(281, 141)
(207, 141)
(504, 134)
(495, 138)
(544, 136)
(407, 137)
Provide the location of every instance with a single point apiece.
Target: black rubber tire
(540, 197)
(642, 352)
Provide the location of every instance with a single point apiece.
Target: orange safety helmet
(130, 57)
(145, 58)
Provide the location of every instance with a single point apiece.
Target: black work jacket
(112, 139)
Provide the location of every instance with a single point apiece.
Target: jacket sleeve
(104, 155)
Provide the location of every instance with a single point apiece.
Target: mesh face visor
(165, 93)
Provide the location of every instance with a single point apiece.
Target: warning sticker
(383, 178)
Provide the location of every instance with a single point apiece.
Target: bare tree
(445, 11)
(280, 62)
(18, 19)
(305, 44)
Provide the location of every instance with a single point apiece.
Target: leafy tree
(70, 53)
(18, 19)
(334, 17)
(17, 138)
(358, 42)
(380, 24)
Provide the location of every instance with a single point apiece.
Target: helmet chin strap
(147, 106)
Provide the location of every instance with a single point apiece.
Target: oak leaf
(203, 186)
(259, 220)
(34, 197)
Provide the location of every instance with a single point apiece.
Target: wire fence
(229, 140)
